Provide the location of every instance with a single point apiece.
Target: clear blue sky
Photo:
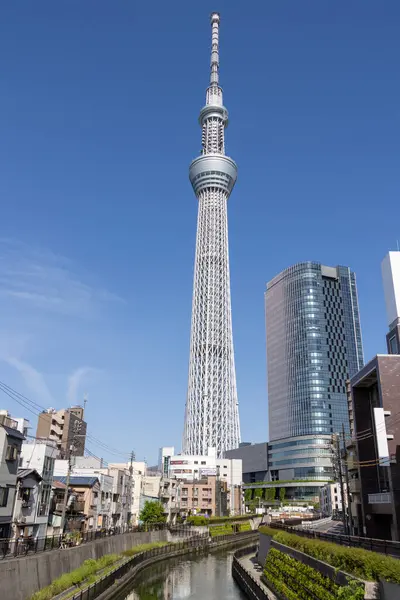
(99, 103)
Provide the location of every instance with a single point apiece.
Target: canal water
(199, 577)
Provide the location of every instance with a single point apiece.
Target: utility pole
(346, 474)
(76, 427)
(218, 491)
(340, 473)
(131, 481)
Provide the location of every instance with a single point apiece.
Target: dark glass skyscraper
(313, 346)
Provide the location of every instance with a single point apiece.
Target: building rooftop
(22, 473)
(78, 481)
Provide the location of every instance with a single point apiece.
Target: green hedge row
(229, 528)
(367, 565)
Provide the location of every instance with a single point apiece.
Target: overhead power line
(36, 409)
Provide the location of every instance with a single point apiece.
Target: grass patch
(83, 573)
(367, 565)
(88, 572)
(143, 548)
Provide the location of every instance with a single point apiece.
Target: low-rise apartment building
(84, 498)
(10, 448)
(373, 454)
(27, 506)
(40, 455)
(330, 500)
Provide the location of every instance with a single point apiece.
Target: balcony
(79, 506)
(382, 498)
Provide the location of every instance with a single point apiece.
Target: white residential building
(40, 455)
(330, 499)
(10, 446)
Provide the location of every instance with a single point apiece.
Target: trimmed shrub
(297, 581)
(367, 565)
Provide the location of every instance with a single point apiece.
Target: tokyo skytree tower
(211, 415)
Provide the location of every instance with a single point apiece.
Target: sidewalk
(249, 562)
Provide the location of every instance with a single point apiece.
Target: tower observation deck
(211, 415)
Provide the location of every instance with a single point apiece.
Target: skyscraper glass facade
(313, 346)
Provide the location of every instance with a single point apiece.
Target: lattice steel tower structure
(211, 415)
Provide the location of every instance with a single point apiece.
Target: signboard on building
(179, 462)
(208, 471)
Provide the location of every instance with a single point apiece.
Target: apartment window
(24, 495)
(393, 345)
(203, 462)
(95, 494)
(121, 479)
(225, 466)
(196, 462)
(3, 496)
(12, 452)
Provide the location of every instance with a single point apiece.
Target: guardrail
(17, 548)
(248, 584)
(375, 545)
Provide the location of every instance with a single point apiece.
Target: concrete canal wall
(21, 577)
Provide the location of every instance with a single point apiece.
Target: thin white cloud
(74, 382)
(45, 281)
(34, 381)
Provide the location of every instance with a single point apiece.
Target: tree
(282, 494)
(152, 512)
(258, 493)
(270, 493)
(247, 495)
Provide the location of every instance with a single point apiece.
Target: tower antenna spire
(214, 75)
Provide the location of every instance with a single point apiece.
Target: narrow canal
(204, 577)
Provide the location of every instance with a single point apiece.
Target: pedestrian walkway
(250, 564)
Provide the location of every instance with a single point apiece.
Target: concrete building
(187, 467)
(330, 500)
(10, 448)
(254, 459)
(164, 456)
(313, 347)
(228, 471)
(40, 455)
(374, 459)
(66, 427)
(391, 288)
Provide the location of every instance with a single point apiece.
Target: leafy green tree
(282, 494)
(247, 495)
(258, 493)
(152, 512)
(270, 494)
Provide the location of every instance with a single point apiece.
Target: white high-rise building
(391, 287)
(211, 415)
